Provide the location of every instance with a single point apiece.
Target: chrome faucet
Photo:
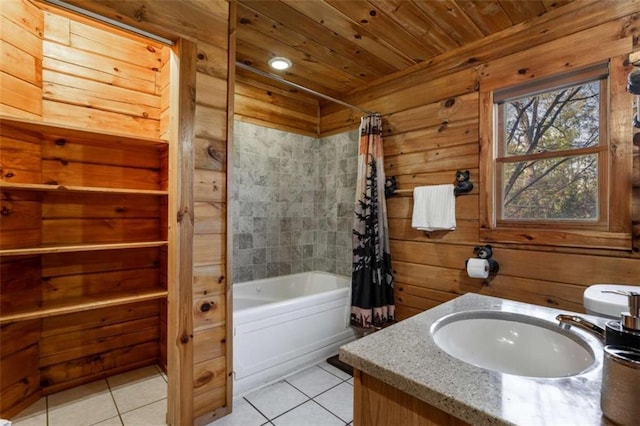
(566, 321)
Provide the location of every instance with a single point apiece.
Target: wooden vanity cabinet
(377, 403)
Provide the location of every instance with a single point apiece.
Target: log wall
(431, 128)
(274, 105)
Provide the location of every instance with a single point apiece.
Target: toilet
(608, 305)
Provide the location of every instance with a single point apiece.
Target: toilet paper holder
(486, 252)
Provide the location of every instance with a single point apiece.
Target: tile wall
(292, 202)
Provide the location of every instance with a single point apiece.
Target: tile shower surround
(292, 202)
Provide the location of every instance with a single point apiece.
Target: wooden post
(180, 327)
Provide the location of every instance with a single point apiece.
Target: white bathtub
(284, 324)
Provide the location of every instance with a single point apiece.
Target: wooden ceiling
(338, 46)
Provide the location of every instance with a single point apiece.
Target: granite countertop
(406, 357)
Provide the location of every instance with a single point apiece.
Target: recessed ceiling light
(279, 63)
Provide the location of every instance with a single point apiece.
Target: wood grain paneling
(209, 375)
(209, 280)
(209, 344)
(20, 284)
(20, 64)
(511, 70)
(204, 401)
(76, 94)
(377, 403)
(90, 285)
(281, 112)
(19, 374)
(91, 341)
(435, 131)
(20, 219)
(21, 31)
(192, 20)
(211, 389)
(209, 311)
(64, 59)
(180, 321)
(562, 21)
(57, 377)
(350, 42)
(423, 92)
(20, 155)
(69, 323)
(347, 49)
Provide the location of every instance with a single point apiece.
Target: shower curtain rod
(297, 86)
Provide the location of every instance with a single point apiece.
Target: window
(551, 140)
(551, 161)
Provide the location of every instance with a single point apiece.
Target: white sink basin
(513, 343)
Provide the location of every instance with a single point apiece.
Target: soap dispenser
(621, 366)
(626, 332)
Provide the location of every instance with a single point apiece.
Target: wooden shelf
(83, 189)
(75, 133)
(79, 248)
(82, 304)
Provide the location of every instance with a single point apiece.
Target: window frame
(613, 230)
(599, 73)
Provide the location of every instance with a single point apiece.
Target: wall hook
(463, 185)
(390, 186)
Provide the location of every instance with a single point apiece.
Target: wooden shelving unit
(86, 143)
(83, 241)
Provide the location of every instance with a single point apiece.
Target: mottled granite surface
(406, 357)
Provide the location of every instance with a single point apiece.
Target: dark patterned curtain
(372, 277)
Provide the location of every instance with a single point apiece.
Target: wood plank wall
(212, 396)
(431, 130)
(274, 105)
(83, 62)
(21, 31)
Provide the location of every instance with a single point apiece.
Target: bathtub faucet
(566, 321)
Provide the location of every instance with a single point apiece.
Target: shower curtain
(372, 276)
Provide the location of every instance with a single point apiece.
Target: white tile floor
(318, 396)
(135, 398)
(321, 395)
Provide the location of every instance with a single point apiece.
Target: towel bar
(462, 185)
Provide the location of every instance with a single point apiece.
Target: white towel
(434, 208)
